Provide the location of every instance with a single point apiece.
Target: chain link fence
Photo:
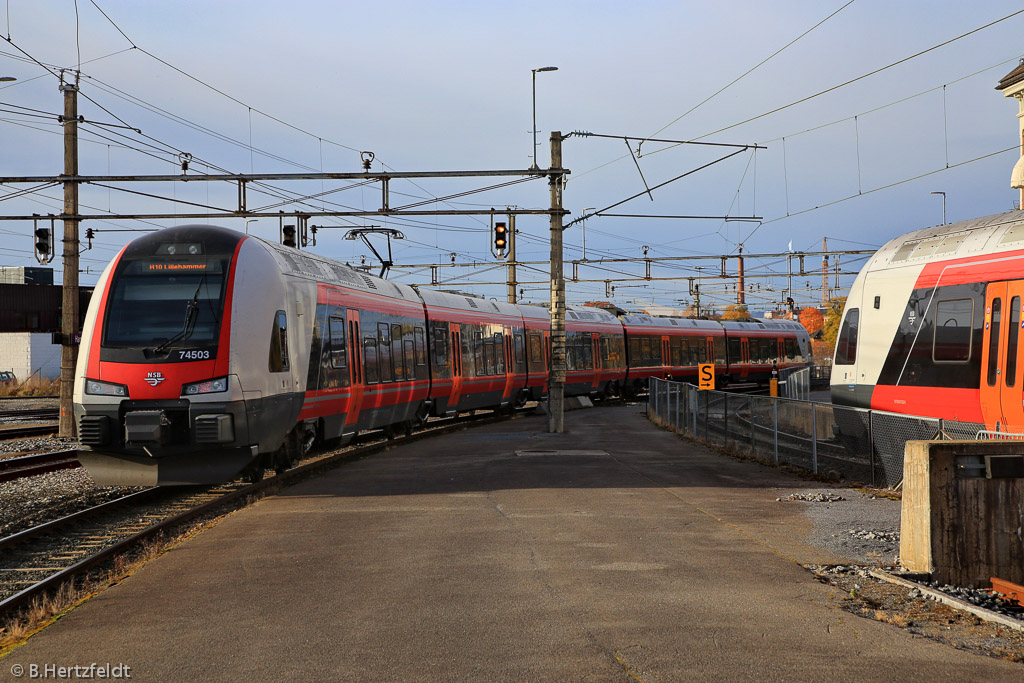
(853, 443)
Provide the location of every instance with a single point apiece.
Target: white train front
(933, 326)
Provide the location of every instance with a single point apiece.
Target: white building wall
(28, 353)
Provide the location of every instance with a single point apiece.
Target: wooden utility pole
(556, 381)
(69, 308)
(512, 259)
(740, 297)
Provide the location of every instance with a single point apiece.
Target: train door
(355, 365)
(1001, 373)
(456, 349)
(507, 355)
(744, 357)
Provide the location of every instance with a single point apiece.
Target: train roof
(761, 325)
(322, 269)
(669, 323)
(462, 302)
(990, 234)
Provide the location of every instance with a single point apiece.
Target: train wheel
(409, 425)
(254, 472)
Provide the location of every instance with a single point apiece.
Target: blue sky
(446, 86)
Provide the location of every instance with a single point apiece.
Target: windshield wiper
(191, 314)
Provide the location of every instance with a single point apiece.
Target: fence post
(725, 420)
(696, 407)
(753, 437)
(814, 438)
(775, 431)
(871, 448)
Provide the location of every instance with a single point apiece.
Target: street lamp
(251, 220)
(7, 79)
(943, 206)
(543, 68)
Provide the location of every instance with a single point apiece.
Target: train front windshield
(153, 302)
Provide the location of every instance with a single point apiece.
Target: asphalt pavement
(614, 552)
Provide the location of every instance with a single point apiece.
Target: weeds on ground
(32, 387)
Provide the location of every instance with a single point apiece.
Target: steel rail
(40, 463)
(24, 431)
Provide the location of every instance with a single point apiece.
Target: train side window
(954, 320)
(384, 352)
(792, 350)
(421, 346)
(993, 342)
(499, 353)
(338, 350)
(518, 348)
(370, 360)
(397, 365)
(409, 359)
(846, 347)
(536, 348)
(1011, 342)
(279, 343)
(440, 345)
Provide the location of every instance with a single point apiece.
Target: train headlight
(210, 386)
(98, 388)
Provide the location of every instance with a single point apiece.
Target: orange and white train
(934, 323)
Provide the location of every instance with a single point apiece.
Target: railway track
(41, 558)
(22, 432)
(40, 463)
(33, 414)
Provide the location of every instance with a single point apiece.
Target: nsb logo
(154, 378)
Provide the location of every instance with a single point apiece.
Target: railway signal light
(288, 236)
(500, 237)
(44, 245)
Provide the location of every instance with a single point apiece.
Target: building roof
(1012, 78)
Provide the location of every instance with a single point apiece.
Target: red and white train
(207, 352)
(933, 325)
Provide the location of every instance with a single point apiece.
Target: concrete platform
(613, 552)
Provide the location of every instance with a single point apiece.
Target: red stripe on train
(950, 404)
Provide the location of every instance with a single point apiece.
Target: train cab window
(338, 350)
(993, 342)
(846, 347)
(1011, 342)
(954, 320)
(279, 343)
(384, 352)
(370, 360)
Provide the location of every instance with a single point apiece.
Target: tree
(812, 320)
(830, 329)
(735, 312)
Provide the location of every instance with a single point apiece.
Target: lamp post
(943, 206)
(251, 220)
(7, 79)
(543, 68)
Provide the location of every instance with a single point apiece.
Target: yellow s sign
(706, 375)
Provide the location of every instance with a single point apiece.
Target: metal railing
(795, 383)
(852, 443)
